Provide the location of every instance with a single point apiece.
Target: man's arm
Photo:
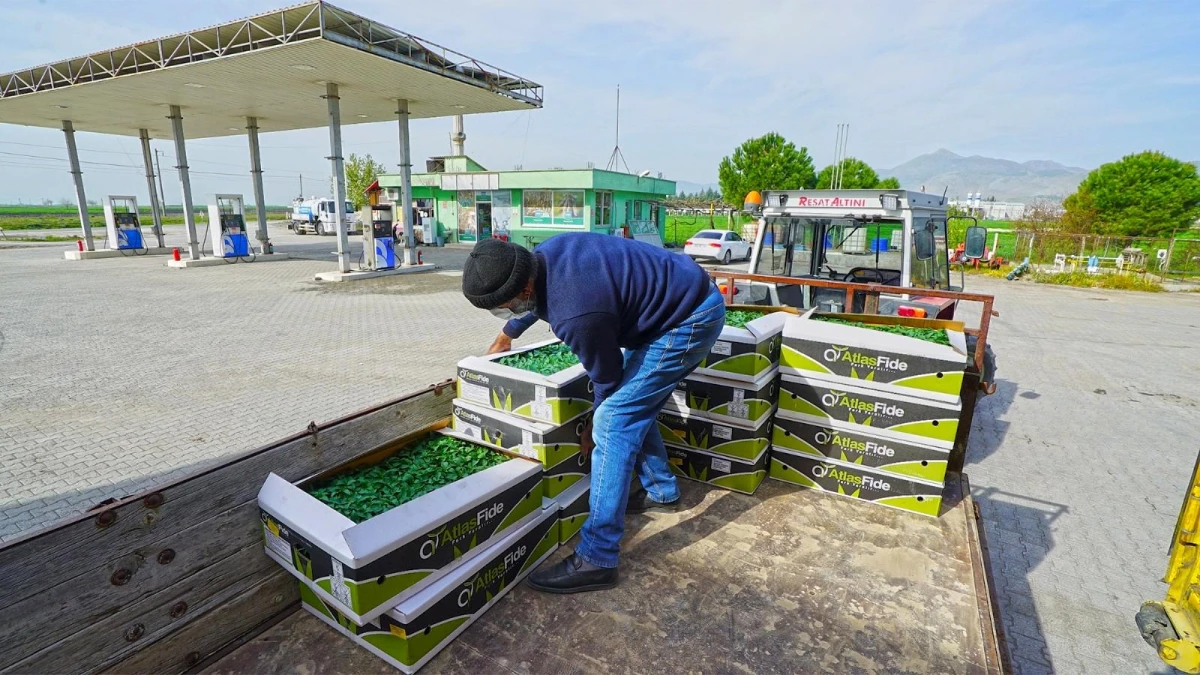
(515, 327)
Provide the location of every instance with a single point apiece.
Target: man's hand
(586, 443)
(502, 343)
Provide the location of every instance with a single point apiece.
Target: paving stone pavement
(1080, 462)
(119, 374)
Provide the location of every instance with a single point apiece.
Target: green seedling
(935, 335)
(738, 318)
(543, 360)
(432, 463)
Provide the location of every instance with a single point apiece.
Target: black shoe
(573, 575)
(640, 502)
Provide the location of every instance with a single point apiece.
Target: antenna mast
(616, 153)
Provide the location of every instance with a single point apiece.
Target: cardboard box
(742, 441)
(555, 446)
(884, 455)
(421, 626)
(875, 359)
(366, 568)
(555, 398)
(573, 508)
(745, 353)
(870, 411)
(724, 472)
(856, 482)
(726, 400)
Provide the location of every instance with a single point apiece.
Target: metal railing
(872, 293)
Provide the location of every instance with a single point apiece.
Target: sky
(1081, 82)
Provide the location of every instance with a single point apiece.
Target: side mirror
(923, 244)
(975, 243)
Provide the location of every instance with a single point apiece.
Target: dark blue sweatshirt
(601, 293)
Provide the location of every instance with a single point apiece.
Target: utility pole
(162, 195)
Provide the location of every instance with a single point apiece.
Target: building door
(483, 219)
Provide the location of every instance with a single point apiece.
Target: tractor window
(785, 247)
(935, 272)
(860, 251)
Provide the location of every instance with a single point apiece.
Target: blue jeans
(625, 428)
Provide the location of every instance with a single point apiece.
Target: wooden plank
(209, 634)
(150, 619)
(202, 519)
(92, 597)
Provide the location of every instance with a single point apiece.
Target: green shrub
(1080, 279)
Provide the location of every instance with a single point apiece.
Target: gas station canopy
(271, 67)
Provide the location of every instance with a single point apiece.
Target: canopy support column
(155, 207)
(85, 221)
(405, 210)
(339, 174)
(185, 182)
(260, 206)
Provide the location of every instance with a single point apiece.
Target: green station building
(465, 202)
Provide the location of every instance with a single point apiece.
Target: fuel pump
(124, 230)
(379, 240)
(227, 225)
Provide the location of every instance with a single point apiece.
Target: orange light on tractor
(913, 312)
(753, 202)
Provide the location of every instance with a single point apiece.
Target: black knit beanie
(495, 273)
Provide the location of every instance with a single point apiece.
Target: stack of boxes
(717, 423)
(394, 583)
(541, 417)
(406, 582)
(868, 414)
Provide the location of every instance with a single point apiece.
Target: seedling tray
(555, 446)
(869, 411)
(740, 441)
(884, 455)
(876, 359)
(417, 629)
(746, 349)
(855, 482)
(717, 470)
(365, 568)
(554, 398)
(725, 400)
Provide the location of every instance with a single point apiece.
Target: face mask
(521, 307)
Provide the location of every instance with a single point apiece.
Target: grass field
(23, 217)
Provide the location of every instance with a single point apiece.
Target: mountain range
(1000, 178)
(1003, 179)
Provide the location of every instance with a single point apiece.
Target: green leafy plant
(431, 463)
(543, 360)
(738, 318)
(934, 335)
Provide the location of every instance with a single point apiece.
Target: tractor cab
(893, 237)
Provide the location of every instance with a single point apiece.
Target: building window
(603, 208)
(563, 208)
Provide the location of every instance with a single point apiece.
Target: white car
(717, 245)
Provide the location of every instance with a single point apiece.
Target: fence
(1164, 256)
